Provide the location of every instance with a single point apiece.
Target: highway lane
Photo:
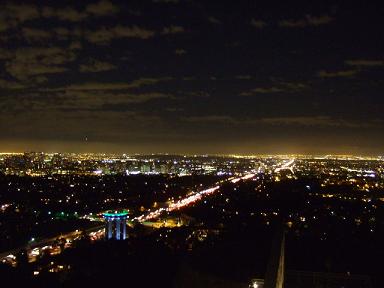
(190, 199)
(48, 242)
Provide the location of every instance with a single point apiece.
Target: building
(116, 224)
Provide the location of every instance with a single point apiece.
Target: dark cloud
(180, 51)
(316, 121)
(6, 84)
(286, 87)
(35, 35)
(3, 25)
(319, 20)
(299, 121)
(166, 1)
(365, 63)
(96, 66)
(62, 33)
(190, 74)
(212, 119)
(19, 12)
(173, 30)
(214, 20)
(306, 21)
(48, 12)
(69, 14)
(76, 45)
(243, 77)
(115, 85)
(293, 23)
(5, 54)
(258, 23)
(29, 62)
(14, 14)
(261, 90)
(126, 98)
(102, 8)
(105, 35)
(337, 74)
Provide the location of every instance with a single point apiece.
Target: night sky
(192, 77)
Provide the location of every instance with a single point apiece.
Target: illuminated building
(145, 168)
(116, 224)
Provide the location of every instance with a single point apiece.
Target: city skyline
(63, 205)
(191, 143)
(190, 77)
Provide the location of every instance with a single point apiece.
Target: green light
(115, 213)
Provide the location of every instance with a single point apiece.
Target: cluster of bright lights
(286, 166)
(189, 200)
(115, 214)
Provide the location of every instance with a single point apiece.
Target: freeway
(286, 166)
(190, 199)
(197, 196)
(35, 246)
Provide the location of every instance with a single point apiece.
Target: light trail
(96, 233)
(191, 199)
(286, 166)
(357, 170)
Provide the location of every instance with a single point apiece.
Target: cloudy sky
(190, 76)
